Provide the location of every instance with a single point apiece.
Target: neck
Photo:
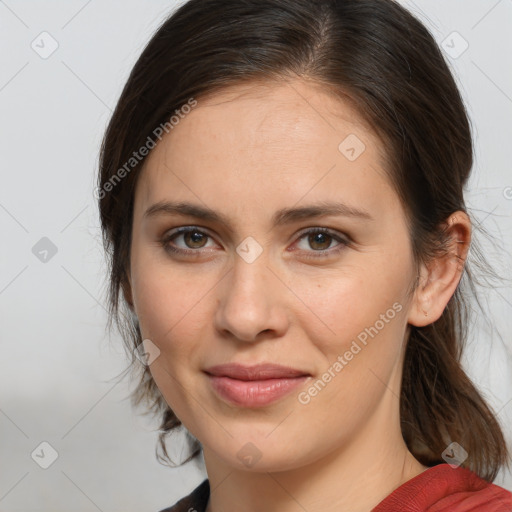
(354, 476)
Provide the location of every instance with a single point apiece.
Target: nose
(251, 302)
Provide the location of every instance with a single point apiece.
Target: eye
(193, 238)
(320, 240)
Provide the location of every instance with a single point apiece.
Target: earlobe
(440, 277)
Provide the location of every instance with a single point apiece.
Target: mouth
(254, 386)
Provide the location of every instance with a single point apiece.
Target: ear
(439, 278)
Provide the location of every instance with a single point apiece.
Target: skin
(247, 152)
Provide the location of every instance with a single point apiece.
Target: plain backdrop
(58, 367)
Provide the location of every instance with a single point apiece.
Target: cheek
(345, 304)
(170, 307)
(365, 311)
(163, 292)
(163, 299)
(360, 351)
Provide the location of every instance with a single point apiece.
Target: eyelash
(343, 242)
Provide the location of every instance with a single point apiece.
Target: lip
(254, 386)
(260, 371)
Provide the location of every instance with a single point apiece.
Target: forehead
(284, 113)
(268, 138)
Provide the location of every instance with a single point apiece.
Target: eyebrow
(281, 217)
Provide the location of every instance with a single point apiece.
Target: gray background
(58, 367)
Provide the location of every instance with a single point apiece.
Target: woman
(281, 198)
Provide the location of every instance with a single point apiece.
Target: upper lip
(256, 372)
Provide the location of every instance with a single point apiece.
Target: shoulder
(196, 501)
(444, 488)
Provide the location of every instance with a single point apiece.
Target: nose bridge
(249, 302)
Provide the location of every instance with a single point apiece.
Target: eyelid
(181, 230)
(343, 240)
(321, 229)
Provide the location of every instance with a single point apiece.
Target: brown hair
(379, 57)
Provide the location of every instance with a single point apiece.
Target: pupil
(319, 238)
(195, 236)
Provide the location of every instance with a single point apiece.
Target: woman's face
(262, 285)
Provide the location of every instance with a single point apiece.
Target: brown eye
(319, 241)
(186, 241)
(194, 239)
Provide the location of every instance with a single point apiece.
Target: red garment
(442, 488)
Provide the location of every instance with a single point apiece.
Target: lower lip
(254, 393)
